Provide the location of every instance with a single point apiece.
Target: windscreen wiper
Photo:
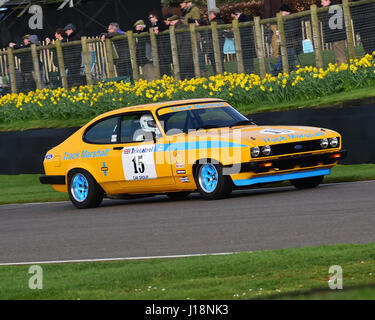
(207, 126)
(241, 123)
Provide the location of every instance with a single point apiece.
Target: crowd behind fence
(304, 38)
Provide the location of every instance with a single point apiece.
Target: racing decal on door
(139, 163)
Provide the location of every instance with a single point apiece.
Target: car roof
(155, 106)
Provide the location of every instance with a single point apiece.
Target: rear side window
(103, 132)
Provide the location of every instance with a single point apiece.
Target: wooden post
(155, 54)
(316, 36)
(12, 70)
(87, 60)
(237, 43)
(60, 59)
(217, 49)
(109, 51)
(37, 78)
(133, 55)
(259, 47)
(283, 49)
(174, 50)
(194, 46)
(349, 29)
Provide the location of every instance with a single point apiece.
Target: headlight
(266, 150)
(324, 143)
(255, 152)
(333, 142)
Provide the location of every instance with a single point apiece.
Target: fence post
(259, 47)
(349, 28)
(194, 47)
(60, 60)
(37, 78)
(316, 36)
(283, 49)
(217, 49)
(238, 46)
(12, 70)
(133, 55)
(155, 54)
(174, 49)
(109, 51)
(87, 60)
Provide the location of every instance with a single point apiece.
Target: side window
(103, 132)
(138, 127)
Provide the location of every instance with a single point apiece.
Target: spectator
(270, 8)
(247, 41)
(183, 9)
(185, 54)
(121, 53)
(71, 32)
(59, 35)
(144, 51)
(166, 17)
(363, 20)
(25, 73)
(214, 16)
(73, 59)
(192, 13)
(292, 30)
(336, 36)
(164, 44)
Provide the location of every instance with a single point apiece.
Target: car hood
(266, 135)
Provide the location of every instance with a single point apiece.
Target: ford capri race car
(177, 147)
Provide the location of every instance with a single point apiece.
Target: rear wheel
(84, 191)
(211, 182)
(178, 195)
(307, 183)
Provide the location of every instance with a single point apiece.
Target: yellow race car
(177, 147)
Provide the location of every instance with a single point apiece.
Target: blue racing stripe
(195, 145)
(282, 177)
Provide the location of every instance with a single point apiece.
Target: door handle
(118, 148)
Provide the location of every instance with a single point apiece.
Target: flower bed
(305, 83)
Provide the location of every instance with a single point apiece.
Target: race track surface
(250, 220)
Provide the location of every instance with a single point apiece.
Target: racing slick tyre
(306, 183)
(211, 182)
(84, 191)
(178, 195)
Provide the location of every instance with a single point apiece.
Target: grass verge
(27, 188)
(263, 274)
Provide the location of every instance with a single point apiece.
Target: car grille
(296, 147)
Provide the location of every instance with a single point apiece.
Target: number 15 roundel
(139, 163)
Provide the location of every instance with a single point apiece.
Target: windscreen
(199, 116)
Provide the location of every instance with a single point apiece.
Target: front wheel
(307, 183)
(84, 191)
(211, 182)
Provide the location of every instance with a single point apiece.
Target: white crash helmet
(148, 123)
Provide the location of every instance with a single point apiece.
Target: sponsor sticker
(276, 131)
(49, 156)
(139, 163)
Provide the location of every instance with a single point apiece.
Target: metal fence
(315, 37)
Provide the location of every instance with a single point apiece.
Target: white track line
(116, 259)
